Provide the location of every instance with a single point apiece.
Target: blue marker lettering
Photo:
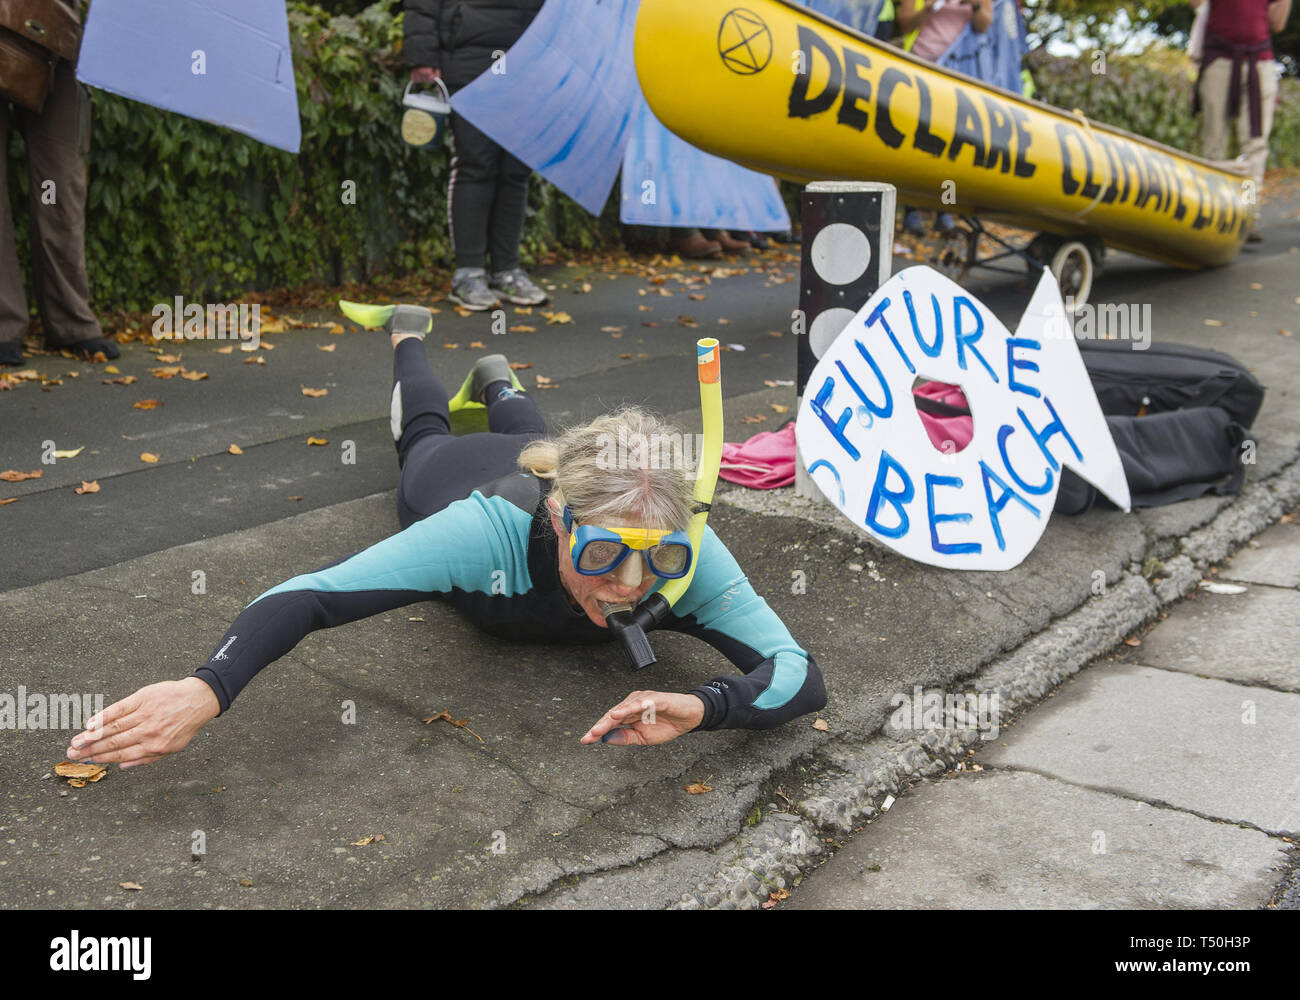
(946, 548)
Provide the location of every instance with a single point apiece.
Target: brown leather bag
(34, 35)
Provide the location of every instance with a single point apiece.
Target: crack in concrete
(1120, 793)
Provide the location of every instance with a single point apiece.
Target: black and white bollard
(848, 251)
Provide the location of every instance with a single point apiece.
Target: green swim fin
(488, 369)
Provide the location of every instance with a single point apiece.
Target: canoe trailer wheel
(1072, 264)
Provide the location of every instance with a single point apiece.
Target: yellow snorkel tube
(631, 624)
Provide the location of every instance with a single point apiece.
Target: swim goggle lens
(596, 550)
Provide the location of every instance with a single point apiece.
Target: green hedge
(1151, 94)
(177, 206)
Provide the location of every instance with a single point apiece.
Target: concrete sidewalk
(271, 804)
(1164, 777)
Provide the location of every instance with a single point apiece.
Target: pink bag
(958, 429)
(764, 462)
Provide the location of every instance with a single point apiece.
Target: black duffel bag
(1180, 417)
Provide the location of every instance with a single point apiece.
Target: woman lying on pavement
(530, 539)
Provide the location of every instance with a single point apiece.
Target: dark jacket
(460, 36)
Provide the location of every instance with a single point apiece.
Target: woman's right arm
(468, 545)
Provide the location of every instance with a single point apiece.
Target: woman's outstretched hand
(645, 718)
(157, 720)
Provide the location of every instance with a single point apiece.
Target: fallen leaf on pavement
(518, 366)
(821, 725)
(699, 788)
(14, 476)
(83, 772)
(316, 440)
(87, 487)
(255, 360)
(131, 886)
(1134, 641)
(775, 897)
(558, 317)
(521, 328)
(71, 453)
(295, 498)
(336, 328)
(147, 404)
(326, 347)
(149, 457)
(234, 449)
(477, 343)
(625, 356)
(445, 716)
(756, 419)
(688, 321)
(194, 376)
(462, 311)
(165, 371)
(1214, 322)
(314, 393)
(779, 408)
(123, 380)
(697, 296)
(773, 383)
(9, 500)
(26, 375)
(374, 838)
(611, 329)
(169, 359)
(450, 347)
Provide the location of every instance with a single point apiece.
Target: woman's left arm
(780, 680)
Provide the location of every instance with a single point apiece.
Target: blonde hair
(629, 464)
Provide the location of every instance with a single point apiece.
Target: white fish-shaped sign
(1033, 409)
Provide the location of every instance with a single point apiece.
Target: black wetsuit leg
(437, 467)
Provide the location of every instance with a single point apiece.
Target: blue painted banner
(222, 61)
(993, 56)
(564, 98)
(669, 182)
(567, 102)
(860, 15)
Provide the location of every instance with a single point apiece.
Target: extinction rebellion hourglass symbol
(744, 41)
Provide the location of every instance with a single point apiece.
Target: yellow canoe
(779, 88)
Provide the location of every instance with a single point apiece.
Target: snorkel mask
(598, 550)
(631, 624)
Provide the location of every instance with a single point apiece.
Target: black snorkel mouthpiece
(631, 625)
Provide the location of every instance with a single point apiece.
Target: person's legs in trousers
(1255, 150)
(1214, 109)
(57, 141)
(471, 190)
(505, 231)
(509, 206)
(13, 300)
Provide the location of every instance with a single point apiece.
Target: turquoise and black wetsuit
(493, 556)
